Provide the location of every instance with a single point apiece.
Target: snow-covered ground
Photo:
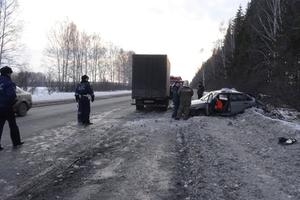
(239, 157)
(41, 94)
(147, 155)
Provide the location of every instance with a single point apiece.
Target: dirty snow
(239, 158)
(289, 117)
(147, 155)
(108, 171)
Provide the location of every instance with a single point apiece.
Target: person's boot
(88, 123)
(18, 145)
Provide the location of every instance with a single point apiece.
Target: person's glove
(93, 98)
(77, 98)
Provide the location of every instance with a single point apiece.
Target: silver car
(233, 102)
(23, 103)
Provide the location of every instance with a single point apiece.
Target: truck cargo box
(150, 79)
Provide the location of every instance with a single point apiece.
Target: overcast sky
(185, 30)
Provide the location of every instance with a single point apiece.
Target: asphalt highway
(47, 117)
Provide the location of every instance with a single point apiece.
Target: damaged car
(222, 102)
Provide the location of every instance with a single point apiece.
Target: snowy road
(41, 118)
(128, 155)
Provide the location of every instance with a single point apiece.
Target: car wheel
(22, 109)
(139, 107)
(193, 112)
(207, 110)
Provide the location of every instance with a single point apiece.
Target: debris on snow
(286, 141)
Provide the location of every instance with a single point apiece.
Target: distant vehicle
(150, 80)
(233, 101)
(24, 102)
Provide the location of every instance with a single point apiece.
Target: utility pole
(203, 76)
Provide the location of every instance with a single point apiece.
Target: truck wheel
(139, 107)
(164, 108)
(207, 110)
(22, 109)
(167, 104)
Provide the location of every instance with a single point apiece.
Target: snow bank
(290, 117)
(239, 157)
(41, 94)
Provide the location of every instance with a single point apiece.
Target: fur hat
(6, 70)
(84, 77)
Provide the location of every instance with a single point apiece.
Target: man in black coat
(7, 100)
(175, 98)
(200, 90)
(84, 94)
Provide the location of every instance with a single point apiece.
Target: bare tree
(112, 54)
(63, 46)
(85, 43)
(97, 53)
(9, 31)
(270, 24)
(270, 21)
(75, 61)
(102, 67)
(74, 53)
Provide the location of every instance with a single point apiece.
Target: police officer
(185, 97)
(7, 100)
(84, 94)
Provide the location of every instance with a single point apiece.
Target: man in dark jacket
(7, 100)
(200, 90)
(84, 94)
(175, 98)
(185, 97)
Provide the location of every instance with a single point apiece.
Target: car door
(247, 101)
(209, 103)
(239, 102)
(224, 97)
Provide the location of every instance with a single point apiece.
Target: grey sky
(179, 28)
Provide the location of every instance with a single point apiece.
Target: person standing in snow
(200, 90)
(185, 97)
(175, 98)
(7, 100)
(83, 95)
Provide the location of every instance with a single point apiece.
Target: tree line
(260, 52)
(10, 29)
(72, 53)
(31, 80)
